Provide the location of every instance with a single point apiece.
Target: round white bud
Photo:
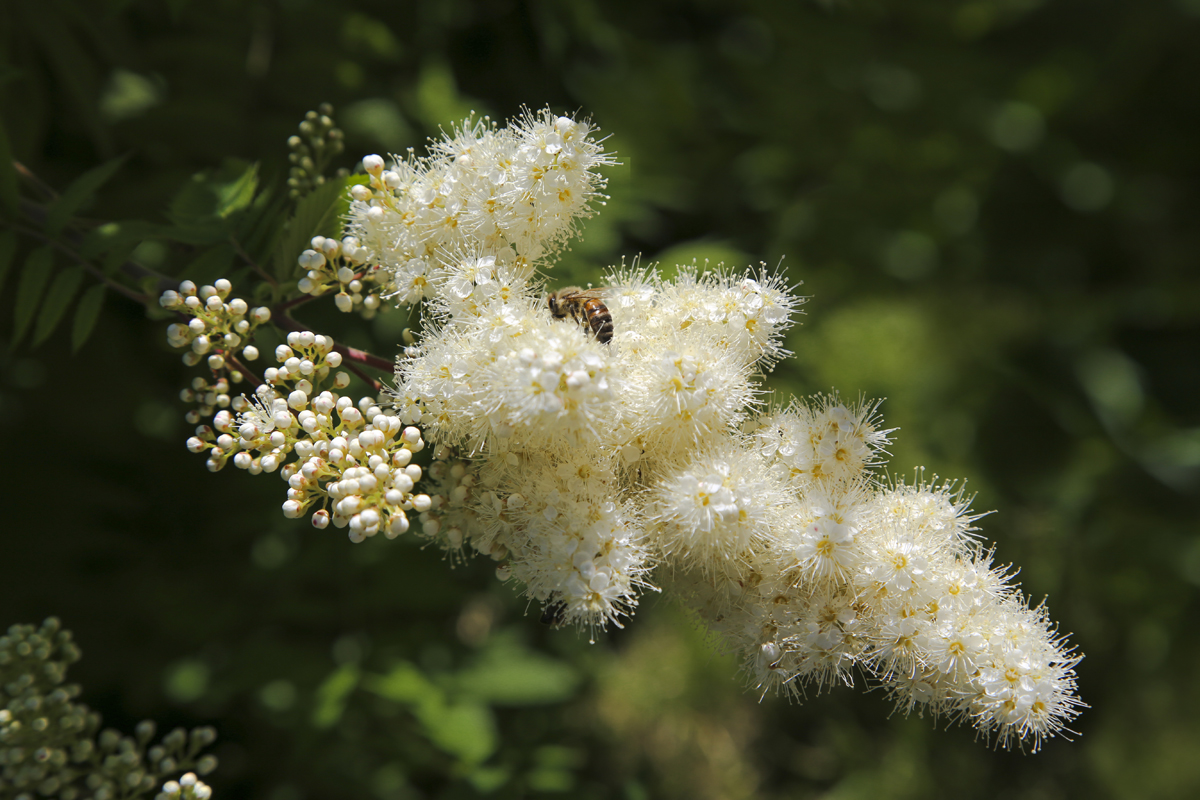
(373, 164)
(397, 525)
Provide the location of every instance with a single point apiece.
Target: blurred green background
(993, 206)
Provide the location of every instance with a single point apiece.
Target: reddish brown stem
(246, 371)
(374, 384)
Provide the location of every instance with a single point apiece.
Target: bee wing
(588, 294)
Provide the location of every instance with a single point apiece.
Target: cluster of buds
(49, 745)
(188, 787)
(218, 326)
(319, 141)
(217, 329)
(352, 460)
(332, 263)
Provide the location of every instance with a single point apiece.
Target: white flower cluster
(330, 262)
(216, 328)
(514, 193)
(188, 787)
(581, 461)
(352, 460)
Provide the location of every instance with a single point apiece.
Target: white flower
(826, 550)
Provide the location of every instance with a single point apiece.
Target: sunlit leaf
(34, 277)
(318, 213)
(87, 312)
(331, 696)
(509, 674)
(62, 292)
(259, 228)
(202, 209)
(404, 684)
(235, 196)
(488, 779)
(79, 193)
(465, 730)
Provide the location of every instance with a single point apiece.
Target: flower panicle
(591, 467)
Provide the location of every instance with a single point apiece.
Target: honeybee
(585, 307)
(554, 613)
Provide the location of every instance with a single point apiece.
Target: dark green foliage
(34, 277)
(50, 745)
(992, 204)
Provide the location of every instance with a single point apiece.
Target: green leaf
(404, 684)
(8, 175)
(205, 207)
(34, 276)
(331, 696)
(235, 196)
(263, 223)
(80, 192)
(216, 262)
(508, 674)
(318, 213)
(8, 248)
(86, 315)
(466, 730)
(61, 293)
